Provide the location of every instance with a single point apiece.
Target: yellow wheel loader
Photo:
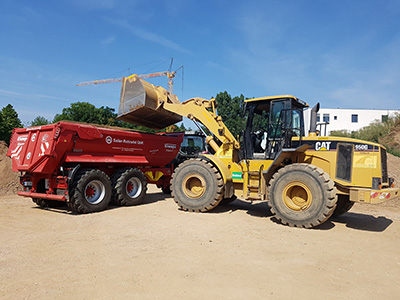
(306, 179)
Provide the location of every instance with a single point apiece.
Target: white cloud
(107, 41)
(149, 36)
(30, 96)
(363, 71)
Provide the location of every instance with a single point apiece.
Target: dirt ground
(155, 251)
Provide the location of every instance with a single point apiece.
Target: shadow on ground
(363, 222)
(357, 221)
(62, 208)
(351, 220)
(259, 209)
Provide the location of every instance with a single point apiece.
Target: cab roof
(278, 97)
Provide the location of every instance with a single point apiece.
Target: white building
(331, 119)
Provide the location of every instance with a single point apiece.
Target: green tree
(79, 112)
(8, 121)
(38, 121)
(230, 110)
(88, 113)
(106, 116)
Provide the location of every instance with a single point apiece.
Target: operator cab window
(270, 126)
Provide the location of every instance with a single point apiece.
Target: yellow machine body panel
(363, 159)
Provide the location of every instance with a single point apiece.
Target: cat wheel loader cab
(271, 123)
(306, 179)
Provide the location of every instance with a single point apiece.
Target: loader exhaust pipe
(313, 120)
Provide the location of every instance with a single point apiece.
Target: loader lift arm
(204, 111)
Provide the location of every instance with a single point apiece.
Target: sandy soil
(9, 180)
(155, 251)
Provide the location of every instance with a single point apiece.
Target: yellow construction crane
(170, 75)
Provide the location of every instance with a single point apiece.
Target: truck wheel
(343, 205)
(197, 185)
(90, 191)
(302, 195)
(129, 186)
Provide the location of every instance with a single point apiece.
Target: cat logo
(323, 146)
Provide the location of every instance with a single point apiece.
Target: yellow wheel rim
(297, 196)
(194, 186)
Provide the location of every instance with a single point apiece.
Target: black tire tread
(74, 202)
(328, 186)
(217, 178)
(117, 182)
(47, 203)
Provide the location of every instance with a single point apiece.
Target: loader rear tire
(302, 195)
(343, 205)
(197, 185)
(90, 191)
(129, 186)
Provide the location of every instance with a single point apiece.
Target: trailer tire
(197, 185)
(129, 186)
(343, 205)
(90, 191)
(48, 203)
(302, 195)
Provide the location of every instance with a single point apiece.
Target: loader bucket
(141, 104)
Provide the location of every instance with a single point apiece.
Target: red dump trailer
(88, 166)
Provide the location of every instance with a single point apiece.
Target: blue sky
(340, 53)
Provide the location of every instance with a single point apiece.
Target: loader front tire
(90, 191)
(302, 195)
(129, 186)
(197, 185)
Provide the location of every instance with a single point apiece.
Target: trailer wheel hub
(297, 196)
(94, 191)
(194, 186)
(133, 187)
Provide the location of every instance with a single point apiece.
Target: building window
(326, 118)
(335, 118)
(354, 118)
(318, 119)
(385, 118)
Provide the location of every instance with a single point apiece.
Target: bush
(384, 133)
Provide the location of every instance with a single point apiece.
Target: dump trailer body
(49, 156)
(42, 149)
